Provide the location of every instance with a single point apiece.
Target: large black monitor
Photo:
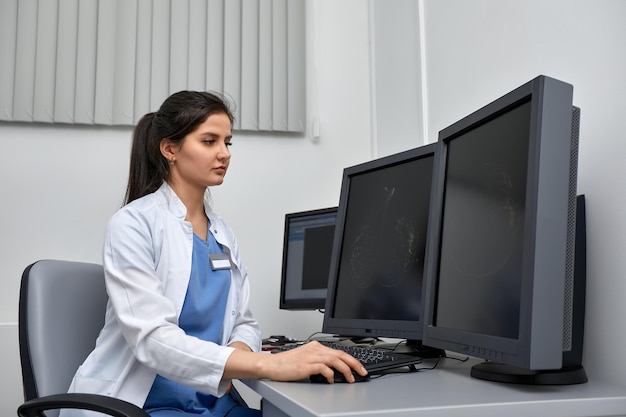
(375, 284)
(307, 247)
(505, 262)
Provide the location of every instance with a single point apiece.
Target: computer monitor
(506, 261)
(375, 284)
(307, 247)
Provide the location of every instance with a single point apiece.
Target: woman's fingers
(314, 358)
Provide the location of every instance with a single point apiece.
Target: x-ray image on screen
(382, 257)
(481, 245)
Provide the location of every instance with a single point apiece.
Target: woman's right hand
(311, 359)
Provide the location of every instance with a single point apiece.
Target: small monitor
(505, 260)
(376, 277)
(307, 248)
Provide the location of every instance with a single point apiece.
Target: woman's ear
(168, 149)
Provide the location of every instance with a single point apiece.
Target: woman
(178, 325)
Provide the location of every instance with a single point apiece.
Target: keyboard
(374, 360)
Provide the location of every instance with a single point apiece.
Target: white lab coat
(147, 263)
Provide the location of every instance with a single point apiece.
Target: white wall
(60, 183)
(478, 50)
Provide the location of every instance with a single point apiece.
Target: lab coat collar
(173, 203)
(176, 206)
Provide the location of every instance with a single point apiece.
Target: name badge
(219, 261)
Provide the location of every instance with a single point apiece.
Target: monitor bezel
(540, 339)
(304, 303)
(353, 327)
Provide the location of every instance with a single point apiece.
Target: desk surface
(446, 391)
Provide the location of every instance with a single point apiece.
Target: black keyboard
(374, 360)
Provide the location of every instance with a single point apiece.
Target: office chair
(61, 311)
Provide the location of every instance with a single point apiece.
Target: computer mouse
(321, 379)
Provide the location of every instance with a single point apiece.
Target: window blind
(108, 62)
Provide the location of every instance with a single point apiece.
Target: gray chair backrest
(61, 311)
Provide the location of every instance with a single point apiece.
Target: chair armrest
(94, 402)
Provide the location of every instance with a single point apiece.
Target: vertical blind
(108, 62)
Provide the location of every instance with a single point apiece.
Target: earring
(172, 161)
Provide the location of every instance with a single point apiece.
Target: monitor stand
(415, 347)
(346, 340)
(492, 371)
(411, 347)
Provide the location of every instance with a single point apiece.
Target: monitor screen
(503, 230)
(307, 247)
(375, 283)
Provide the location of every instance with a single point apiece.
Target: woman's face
(202, 158)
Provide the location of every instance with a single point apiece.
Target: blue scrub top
(202, 316)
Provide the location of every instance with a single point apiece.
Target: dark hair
(180, 114)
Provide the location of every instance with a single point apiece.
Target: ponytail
(148, 168)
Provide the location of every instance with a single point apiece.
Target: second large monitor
(505, 263)
(376, 278)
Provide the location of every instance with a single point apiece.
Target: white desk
(447, 391)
